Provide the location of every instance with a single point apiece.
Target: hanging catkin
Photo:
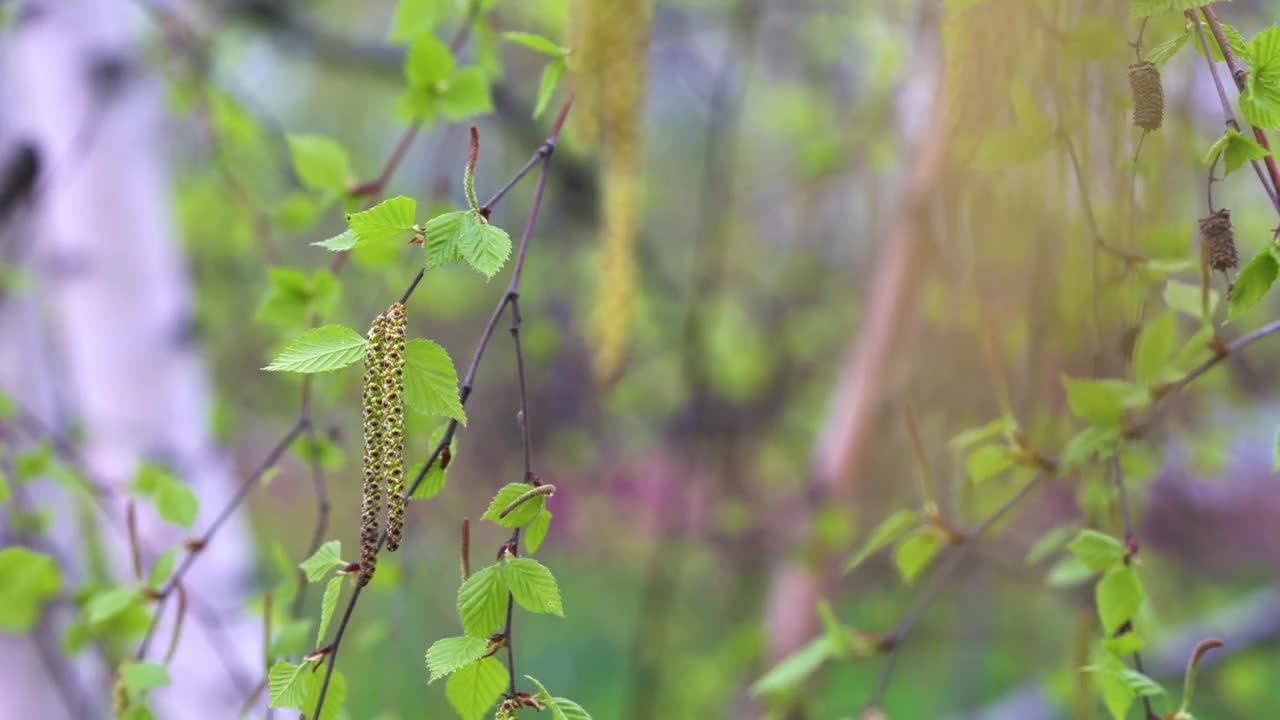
(371, 505)
(1148, 95)
(393, 424)
(612, 38)
(1218, 240)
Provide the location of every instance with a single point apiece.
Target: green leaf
(1153, 348)
(1087, 444)
(139, 677)
(566, 709)
(486, 248)
(523, 514)
(1098, 551)
(415, 17)
(1146, 8)
(1186, 299)
(537, 531)
(1236, 150)
(988, 461)
(333, 699)
(110, 603)
(981, 434)
(793, 670)
(430, 381)
(28, 579)
(1123, 644)
(466, 95)
(162, 568)
(442, 237)
(436, 476)
(5, 492)
(1100, 402)
(1118, 595)
(1142, 685)
(321, 163)
(1049, 543)
(1162, 53)
(428, 62)
(889, 530)
(1260, 101)
(286, 685)
(474, 689)
(292, 638)
(387, 222)
(536, 42)
(551, 76)
(344, 240)
(1234, 40)
(533, 586)
(326, 557)
(1254, 281)
(482, 602)
(293, 296)
(1116, 694)
(322, 349)
(449, 654)
(176, 502)
(916, 552)
(1068, 571)
(328, 604)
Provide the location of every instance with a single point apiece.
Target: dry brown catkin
(393, 424)
(1148, 95)
(1218, 240)
(371, 504)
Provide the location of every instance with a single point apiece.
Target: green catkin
(1148, 95)
(371, 505)
(393, 424)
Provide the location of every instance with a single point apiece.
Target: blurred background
(776, 236)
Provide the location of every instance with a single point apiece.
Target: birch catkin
(1148, 95)
(393, 424)
(371, 505)
(1219, 240)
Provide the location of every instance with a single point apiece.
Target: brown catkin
(393, 424)
(1218, 240)
(371, 505)
(1148, 95)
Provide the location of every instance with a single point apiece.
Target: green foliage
(107, 604)
(162, 568)
(449, 654)
(465, 235)
(434, 481)
(1189, 300)
(1118, 596)
(485, 247)
(473, 689)
(537, 531)
(1234, 40)
(328, 604)
(1049, 543)
(915, 553)
(1153, 349)
(287, 684)
(547, 84)
(321, 162)
(292, 296)
(1100, 552)
(537, 43)
(415, 17)
(885, 534)
(1254, 281)
(1102, 402)
(139, 677)
(1146, 8)
(1002, 425)
(1236, 150)
(436, 86)
(1162, 53)
(326, 557)
(430, 381)
(523, 514)
(482, 602)
(175, 501)
(533, 586)
(796, 667)
(28, 579)
(989, 461)
(1121, 685)
(388, 222)
(322, 349)
(561, 708)
(1260, 101)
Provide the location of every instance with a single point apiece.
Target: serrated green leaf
(485, 247)
(1116, 694)
(110, 603)
(1146, 8)
(916, 552)
(1260, 101)
(415, 17)
(428, 62)
(1101, 402)
(1254, 281)
(436, 476)
(1123, 644)
(466, 95)
(344, 240)
(1162, 53)
(535, 42)
(326, 557)
(533, 586)
(430, 381)
(286, 685)
(293, 637)
(1186, 299)
(389, 221)
(537, 531)
(889, 530)
(322, 349)
(162, 568)
(1154, 347)
(441, 244)
(139, 677)
(1049, 543)
(293, 296)
(28, 579)
(1236, 150)
(523, 514)
(1068, 571)
(1234, 40)
(333, 699)
(547, 84)
(1098, 551)
(482, 602)
(793, 670)
(1118, 596)
(176, 502)
(988, 461)
(328, 604)
(449, 654)
(474, 689)
(321, 162)
(981, 434)
(566, 709)
(1142, 685)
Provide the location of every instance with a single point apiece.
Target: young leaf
(537, 531)
(1086, 444)
(482, 602)
(1234, 40)
(1116, 694)
(1100, 402)
(916, 552)
(981, 434)
(176, 502)
(536, 42)
(110, 603)
(796, 667)
(1153, 348)
(449, 654)
(1049, 543)
(1146, 8)
(533, 586)
(5, 492)
(1186, 299)
(551, 75)
(140, 677)
(889, 530)
(486, 248)
(1162, 53)
(328, 604)
(430, 381)
(566, 709)
(326, 557)
(1118, 595)
(988, 461)
(1254, 281)
(388, 221)
(320, 350)
(473, 689)
(1098, 551)
(428, 62)
(466, 95)
(333, 699)
(441, 234)
(286, 685)
(1068, 571)
(321, 163)
(434, 481)
(1239, 150)
(524, 512)
(416, 17)
(344, 240)
(1260, 101)
(162, 568)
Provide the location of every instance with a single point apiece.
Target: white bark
(114, 302)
